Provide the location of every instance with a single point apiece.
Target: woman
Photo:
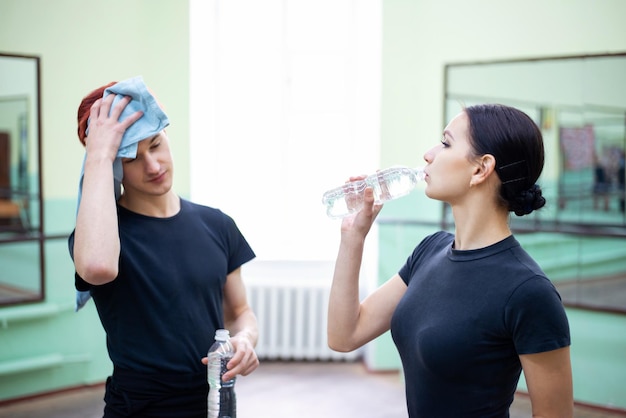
(468, 311)
(164, 272)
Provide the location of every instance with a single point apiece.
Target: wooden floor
(281, 390)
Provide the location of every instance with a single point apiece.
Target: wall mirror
(580, 105)
(21, 203)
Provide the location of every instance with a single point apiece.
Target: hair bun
(527, 201)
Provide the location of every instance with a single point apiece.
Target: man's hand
(245, 360)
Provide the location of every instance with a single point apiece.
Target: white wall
(285, 99)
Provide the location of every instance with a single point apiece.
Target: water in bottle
(222, 402)
(388, 184)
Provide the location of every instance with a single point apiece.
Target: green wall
(419, 39)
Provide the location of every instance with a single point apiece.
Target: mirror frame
(534, 223)
(36, 234)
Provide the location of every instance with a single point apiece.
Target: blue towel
(153, 121)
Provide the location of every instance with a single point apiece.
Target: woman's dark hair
(516, 143)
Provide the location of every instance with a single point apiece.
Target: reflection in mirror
(579, 103)
(21, 272)
(21, 229)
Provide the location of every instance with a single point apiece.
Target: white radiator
(290, 300)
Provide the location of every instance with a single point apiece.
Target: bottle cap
(222, 334)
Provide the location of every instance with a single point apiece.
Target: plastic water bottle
(222, 402)
(388, 184)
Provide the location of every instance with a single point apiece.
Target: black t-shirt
(465, 319)
(161, 312)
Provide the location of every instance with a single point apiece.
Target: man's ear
(485, 165)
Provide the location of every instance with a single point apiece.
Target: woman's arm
(350, 322)
(549, 380)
